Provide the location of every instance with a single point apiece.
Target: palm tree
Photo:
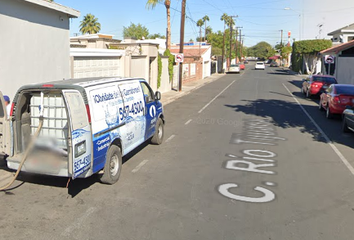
(200, 23)
(205, 19)
(90, 24)
(167, 3)
(224, 18)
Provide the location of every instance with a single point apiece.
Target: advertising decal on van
(112, 107)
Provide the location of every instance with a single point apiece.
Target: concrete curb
(186, 92)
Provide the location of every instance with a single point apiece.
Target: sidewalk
(187, 88)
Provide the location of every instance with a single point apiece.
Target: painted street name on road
(258, 132)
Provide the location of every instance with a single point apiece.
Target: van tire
(113, 165)
(159, 133)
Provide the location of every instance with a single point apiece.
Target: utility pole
(236, 45)
(181, 42)
(281, 46)
(229, 63)
(238, 42)
(223, 51)
(231, 20)
(242, 47)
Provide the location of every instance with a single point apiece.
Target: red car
(242, 66)
(317, 84)
(336, 98)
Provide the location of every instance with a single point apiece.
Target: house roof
(339, 48)
(72, 13)
(348, 28)
(191, 51)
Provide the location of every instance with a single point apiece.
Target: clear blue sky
(261, 20)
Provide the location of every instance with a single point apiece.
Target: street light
(300, 20)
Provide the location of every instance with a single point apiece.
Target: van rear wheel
(113, 165)
(159, 133)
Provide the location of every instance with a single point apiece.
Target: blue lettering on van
(81, 165)
(78, 133)
(131, 109)
(105, 96)
(127, 92)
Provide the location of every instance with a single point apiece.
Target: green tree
(152, 4)
(216, 41)
(309, 51)
(135, 31)
(205, 19)
(262, 50)
(156, 35)
(90, 24)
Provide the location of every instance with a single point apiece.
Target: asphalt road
(245, 157)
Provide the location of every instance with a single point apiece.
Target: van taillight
(88, 113)
(12, 108)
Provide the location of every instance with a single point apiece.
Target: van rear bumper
(32, 166)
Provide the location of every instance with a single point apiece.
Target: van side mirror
(157, 95)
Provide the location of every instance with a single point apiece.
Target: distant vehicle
(274, 64)
(242, 66)
(260, 65)
(335, 99)
(316, 84)
(245, 62)
(234, 68)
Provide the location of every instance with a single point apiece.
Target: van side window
(148, 93)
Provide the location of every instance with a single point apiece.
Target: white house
(34, 42)
(342, 35)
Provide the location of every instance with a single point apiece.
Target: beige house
(99, 55)
(32, 32)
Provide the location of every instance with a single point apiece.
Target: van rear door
(4, 128)
(81, 138)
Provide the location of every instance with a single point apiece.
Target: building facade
(34, 43)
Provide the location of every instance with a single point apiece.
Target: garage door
(96, 67)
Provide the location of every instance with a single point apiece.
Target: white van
(88, 125)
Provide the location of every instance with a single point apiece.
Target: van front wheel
(113, 165)
(159, 133)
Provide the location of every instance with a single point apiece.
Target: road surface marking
(137, 168)
(79, 222)
(188, 122)
(170, 138)
(335, 149)
(212, 100)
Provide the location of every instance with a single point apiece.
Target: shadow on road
(281, 71)
(286, 114)
(282, 114)
(74, 186)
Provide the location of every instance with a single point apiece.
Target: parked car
(242, 66)
(259, 65)
(274, 64)
(316, 84)
(348, 119)
(335, 99)
(245, 62)
(234, 68)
